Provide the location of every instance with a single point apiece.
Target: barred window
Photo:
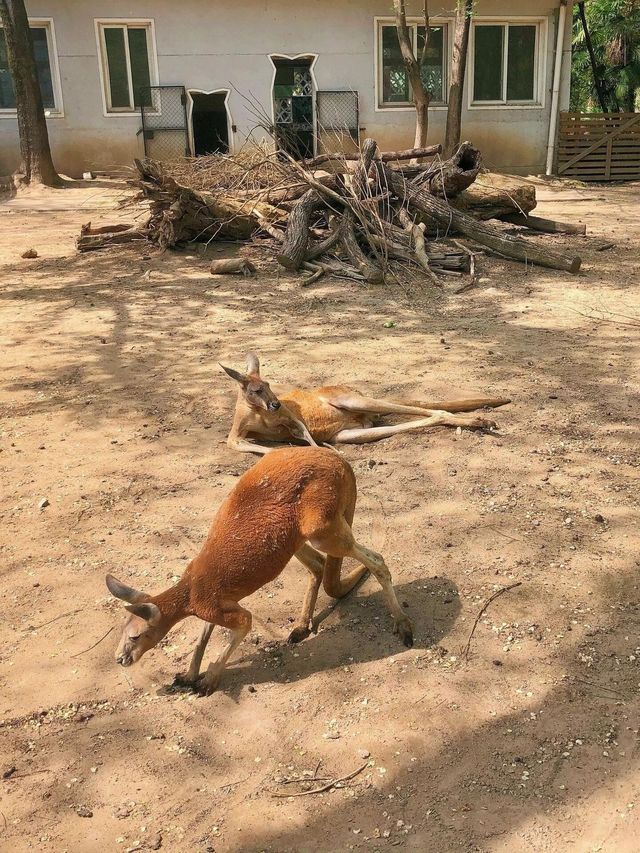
(394, 88)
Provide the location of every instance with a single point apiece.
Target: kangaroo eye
(133, 639)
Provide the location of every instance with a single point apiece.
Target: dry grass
(253, 168)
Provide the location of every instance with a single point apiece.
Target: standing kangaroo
(295, 501)
(334, 414)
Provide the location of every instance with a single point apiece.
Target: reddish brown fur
(274, 508)
(291, 497)
(334, 414)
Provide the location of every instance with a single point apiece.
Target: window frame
(100, 25)
(413, 22)
(539, 65)
(57, 111)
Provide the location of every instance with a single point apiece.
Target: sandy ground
(114, 409)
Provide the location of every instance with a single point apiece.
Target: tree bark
(35, 152)
(492, 196)
(369, 271)
(464, 13)
(179, 214)
(91, 242)
(487, 235)
(420, 95)
(450, 177)
(360, 182)
(592, 57)
(296, 241)
(546, 226)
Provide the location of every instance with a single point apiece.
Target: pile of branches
(356, 215)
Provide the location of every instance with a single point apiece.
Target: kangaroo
(294, 501)
(334, 414)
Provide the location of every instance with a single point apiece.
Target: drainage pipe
(555, 96)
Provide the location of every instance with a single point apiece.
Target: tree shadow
(510, 773)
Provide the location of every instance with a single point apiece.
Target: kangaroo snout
(124, 659)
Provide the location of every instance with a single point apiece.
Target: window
(393, 84)
(43, 48)
(127, 62)
(505, 64)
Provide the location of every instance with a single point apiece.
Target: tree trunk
(464, 12)
(36, 163)
(594, 64)
(421, 96)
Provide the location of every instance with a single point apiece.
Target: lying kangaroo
(334, 415)
(291, 502)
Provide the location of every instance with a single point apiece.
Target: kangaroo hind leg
(314, 562)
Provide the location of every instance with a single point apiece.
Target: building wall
(207, 45)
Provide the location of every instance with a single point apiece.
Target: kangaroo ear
(147, 611)
(239, 377)
(124, 592)
(253, 364)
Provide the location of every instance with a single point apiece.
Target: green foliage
(614, 26)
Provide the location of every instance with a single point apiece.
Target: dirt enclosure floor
(114, 410)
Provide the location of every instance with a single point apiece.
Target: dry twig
(496, 594)
(326, 787)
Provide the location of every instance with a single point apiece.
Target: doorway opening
(293, 105)
(209, 123)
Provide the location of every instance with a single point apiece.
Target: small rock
(155, 842)
(497, 662)
(599, 518)
(364, 753)
(122, 812)
(84, 811)
(251, 688)
(30, 253)
(43, 503)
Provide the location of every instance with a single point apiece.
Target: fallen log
(450, 177)
(487, 235)
(91, 242)
(367, 269)
(383, 156)
(493, 195)
(103, 229)
(231, 266)
(547, 226)
(180, 214)
(296, 237)
(317, 249)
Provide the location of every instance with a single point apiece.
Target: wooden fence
(599, 146)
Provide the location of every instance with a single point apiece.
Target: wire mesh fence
(164, 122)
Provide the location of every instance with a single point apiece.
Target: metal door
(164, 122)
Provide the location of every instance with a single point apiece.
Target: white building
(313, 66)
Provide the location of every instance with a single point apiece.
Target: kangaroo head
(143, 628)
(255, 390)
